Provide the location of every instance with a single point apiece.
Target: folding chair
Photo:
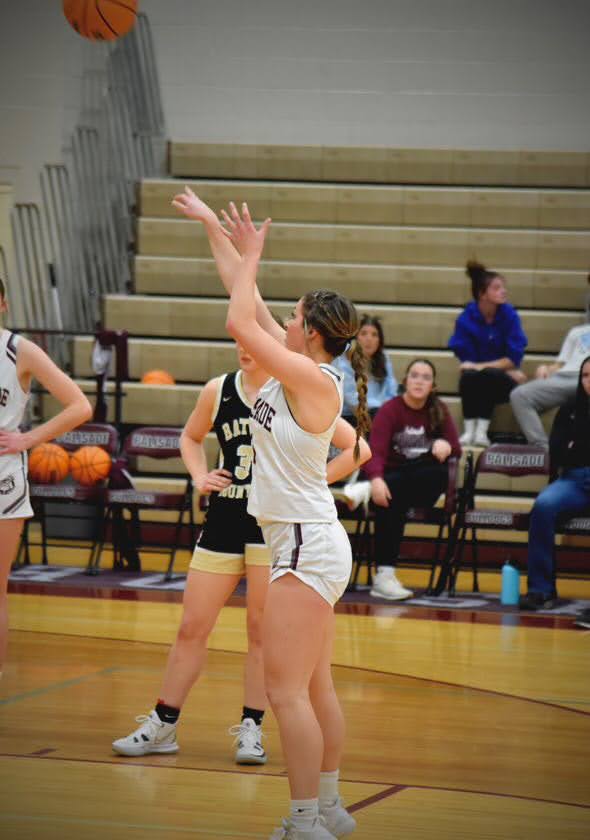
(438, 516)
(514, 461)
(159, 442)
(72, 494)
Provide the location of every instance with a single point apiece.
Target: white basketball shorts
(318, 553)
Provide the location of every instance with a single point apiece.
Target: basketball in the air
(89, 465)
(101, 20)
(48, 463)
(157, 377)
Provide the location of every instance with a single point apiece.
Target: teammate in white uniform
(20, 362)
(293, 420)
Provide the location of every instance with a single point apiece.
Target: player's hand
(441, 449)
(470, 366)
(13, 442)
(193, 207)
(248, 241)
(214, 481)
(380, 493)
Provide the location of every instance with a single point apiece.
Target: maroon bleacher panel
(91, 434)
(154, 442)
(514, 460)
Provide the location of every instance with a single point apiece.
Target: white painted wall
(493, 74)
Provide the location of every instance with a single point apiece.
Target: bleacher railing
(79, 245)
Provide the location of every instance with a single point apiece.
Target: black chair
(513, 460)
(441, 517)
(161, 443)
(80, 503)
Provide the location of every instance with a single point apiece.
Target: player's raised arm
(226, 256)
(297, 372)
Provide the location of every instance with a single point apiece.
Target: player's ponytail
(358, 362)
(336, 319)
(2, 288)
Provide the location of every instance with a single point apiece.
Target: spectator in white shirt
(553, 386)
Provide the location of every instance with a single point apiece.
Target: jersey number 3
(246, 456)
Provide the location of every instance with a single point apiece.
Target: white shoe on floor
(248, 737)
(289, 832)
(338, 821)
(153, 736)
(357, 494)
(386, 585)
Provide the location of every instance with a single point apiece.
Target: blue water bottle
(510, 584)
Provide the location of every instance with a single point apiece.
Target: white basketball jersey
(289, 476)
(12, 397)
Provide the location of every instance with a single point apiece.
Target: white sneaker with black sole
(153, 736)
(289, 832)
(337, 819)
(248, 740)
(386, 585)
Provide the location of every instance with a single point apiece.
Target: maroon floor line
(348, 667)
(391, 790)
(377, 797)
(361, 608)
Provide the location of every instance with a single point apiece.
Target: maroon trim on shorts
(298, 544)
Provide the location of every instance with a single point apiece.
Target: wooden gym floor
(460, 728)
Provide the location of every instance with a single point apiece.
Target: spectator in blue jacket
(489, 342)
(382, 385)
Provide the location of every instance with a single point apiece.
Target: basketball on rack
(158, 377)
(89, 465)
(101, 20)
(48, 463)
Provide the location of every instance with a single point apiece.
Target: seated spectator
(570, 494)
(490, 342)
(412, 437)
(382, 385)
(553, 384)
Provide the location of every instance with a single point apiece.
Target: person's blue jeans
(568, 495)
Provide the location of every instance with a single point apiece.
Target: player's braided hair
(336, 319)
(2, 288)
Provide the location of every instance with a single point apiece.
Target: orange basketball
(48, 463)
(90, 464)
(101, 20)
(157, 377)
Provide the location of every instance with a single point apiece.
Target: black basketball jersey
(232, 426)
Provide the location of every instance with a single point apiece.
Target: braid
(358, 362)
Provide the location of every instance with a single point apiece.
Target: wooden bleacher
(391, 228)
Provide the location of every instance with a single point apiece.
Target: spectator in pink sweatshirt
(413, 436)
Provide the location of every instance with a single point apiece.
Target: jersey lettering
(235, 491)
(263, 413)
(240, 426)
(4, 394)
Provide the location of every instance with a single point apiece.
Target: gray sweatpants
(533, 398)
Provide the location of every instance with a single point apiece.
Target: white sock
(469, 427)
(329, 788)
(482, 426)
(304, 812)
(385, 570)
